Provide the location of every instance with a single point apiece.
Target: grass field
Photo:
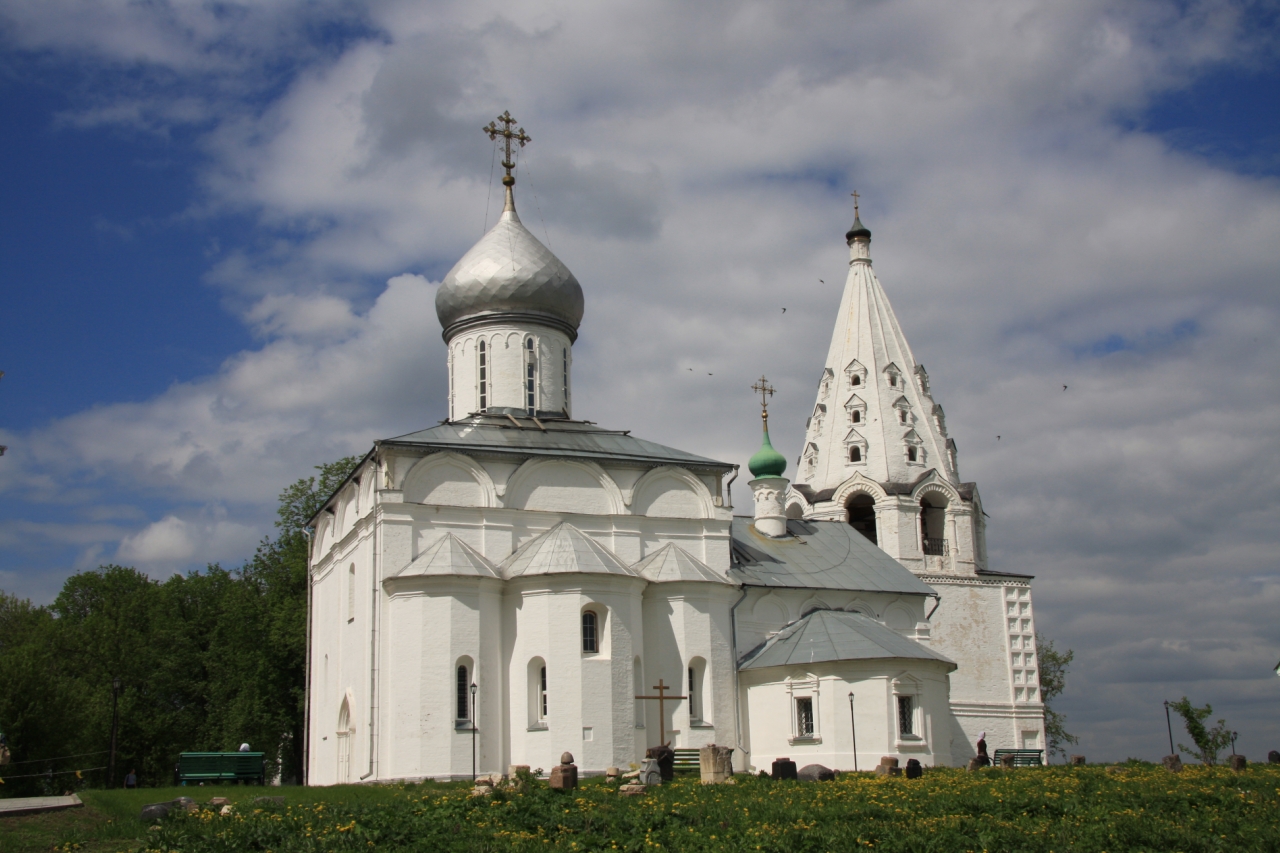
(1036, 809)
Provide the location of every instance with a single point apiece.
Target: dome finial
(507, 134)
(857, 229)
(766, 462)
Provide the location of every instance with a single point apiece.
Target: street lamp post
(1169, 725)
(115, 718)
(854, 726)
(473, 732)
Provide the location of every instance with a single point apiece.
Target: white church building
(504, 586)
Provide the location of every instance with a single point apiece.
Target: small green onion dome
(767, 462)
(858, 230)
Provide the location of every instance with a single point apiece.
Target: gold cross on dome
(766, 391)
(507, 135)
(855, 203)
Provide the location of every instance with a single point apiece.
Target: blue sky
(222, 225)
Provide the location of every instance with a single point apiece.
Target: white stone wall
(769, 695)
(973, 627)
(507, 358)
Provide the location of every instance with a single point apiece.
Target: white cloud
(173, 543)
(691, 164)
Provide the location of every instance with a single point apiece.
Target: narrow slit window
(856, 416)
(542, 694)
(464, 694)
(906, 715)
(902, 415)
(804, 716)
(484, 377)
(530, 371)
(911, 454)
(589, 644)
(693, 696)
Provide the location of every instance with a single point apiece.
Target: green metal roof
(509, 434)
(817, 555)
(835, 635)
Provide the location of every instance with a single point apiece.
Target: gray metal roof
(449, 556)
(522, 436)
(673, 563)
(564, 549)
(834, 635)
(817, 555)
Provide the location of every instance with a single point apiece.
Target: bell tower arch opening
(862, 515)
(933, 519)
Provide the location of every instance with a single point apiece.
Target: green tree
(1209, 742)
(1053, 680)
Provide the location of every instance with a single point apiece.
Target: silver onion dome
(509, 275)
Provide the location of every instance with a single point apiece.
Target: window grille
(484, 377)
(464, 694)
(804, 717)
(589, 643)
(529, 376)
(906, 715)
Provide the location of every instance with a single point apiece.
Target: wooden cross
(855, 203)
(507, 135)
(662, 698)
(766, 391)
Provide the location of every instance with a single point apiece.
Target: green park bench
(238, 767)
(1021, 757)
(687, 760)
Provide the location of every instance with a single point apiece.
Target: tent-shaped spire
(564, 549)
(672, 563)
(449, 556)
(880, 418)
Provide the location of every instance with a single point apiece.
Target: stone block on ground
(1238, 762)
(219, 801)
(650, 773)
(974, 764)
(564, 776)
(612, 773)
(514, 770)
(914, 770)
(1077, 761)
(632, 789)
(888, 761)
(783, 768)
(887, 770)
(1007, 761)
(155, 811)
(227, 810)
(666, 758)
(1273, 757)
(1172, 763)
(815, 773)
(715, 763)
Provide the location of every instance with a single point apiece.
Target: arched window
(693, 694)
(530, 375)
(589, 643)
(345, 730)
(911, 454)
(484, 376)
(855, 454)
(902, 415)
(856, 416)
(537, 686)
(862, 515)
(464, 693)
(351, 593)
(855, 380)
(696, 673)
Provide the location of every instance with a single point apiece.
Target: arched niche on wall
(449, 479)
(670, 492)
(562, 485)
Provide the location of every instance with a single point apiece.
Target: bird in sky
(784, 310)
(711, 374)
(690, 370)
(1064, 387)
(997, 438)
